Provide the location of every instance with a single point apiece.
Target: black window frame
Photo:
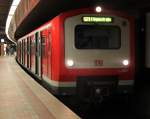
(119, 29)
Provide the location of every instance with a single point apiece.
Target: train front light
(70, 63)
(98, 9)
(125, 62)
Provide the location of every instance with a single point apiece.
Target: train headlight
(98, 9)
(125, 62)
(70, 63)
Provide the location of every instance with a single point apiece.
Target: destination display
(97, 19)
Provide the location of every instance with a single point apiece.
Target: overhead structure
(22, 11)
(32, 13)
(4, 9)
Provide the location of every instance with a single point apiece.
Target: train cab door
(38, 54)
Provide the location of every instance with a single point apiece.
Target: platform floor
(23, 98)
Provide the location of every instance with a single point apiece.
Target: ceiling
(54, 7)
(47, 9)
(4, 9)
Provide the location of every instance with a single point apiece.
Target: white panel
(85, 58)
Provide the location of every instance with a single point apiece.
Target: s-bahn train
(82, 52)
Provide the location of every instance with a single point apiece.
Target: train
(84, 52)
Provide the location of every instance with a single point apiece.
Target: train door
(33, 53)
(28, 52)
(44, 54)
(38, 54)
(19, 52)
(22, 52)
(25, 51)
(49, 54)
(30, 43)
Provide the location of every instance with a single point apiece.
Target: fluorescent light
(12, 10)
(2, 40)
(15, 2)
(10, 15)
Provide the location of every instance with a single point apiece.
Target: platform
(21, 97)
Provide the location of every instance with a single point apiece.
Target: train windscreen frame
(97, 37)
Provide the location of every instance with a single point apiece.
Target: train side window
(97, 37)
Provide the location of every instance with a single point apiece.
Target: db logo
(98, 62)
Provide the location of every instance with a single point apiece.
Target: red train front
(82, 52)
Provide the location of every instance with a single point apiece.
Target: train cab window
(97, 37)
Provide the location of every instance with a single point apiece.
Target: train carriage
(83, 52)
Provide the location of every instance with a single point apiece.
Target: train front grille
(94, 87)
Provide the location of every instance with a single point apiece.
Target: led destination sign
(92, 19)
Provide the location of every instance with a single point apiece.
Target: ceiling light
(10, 15)
(2, 40)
